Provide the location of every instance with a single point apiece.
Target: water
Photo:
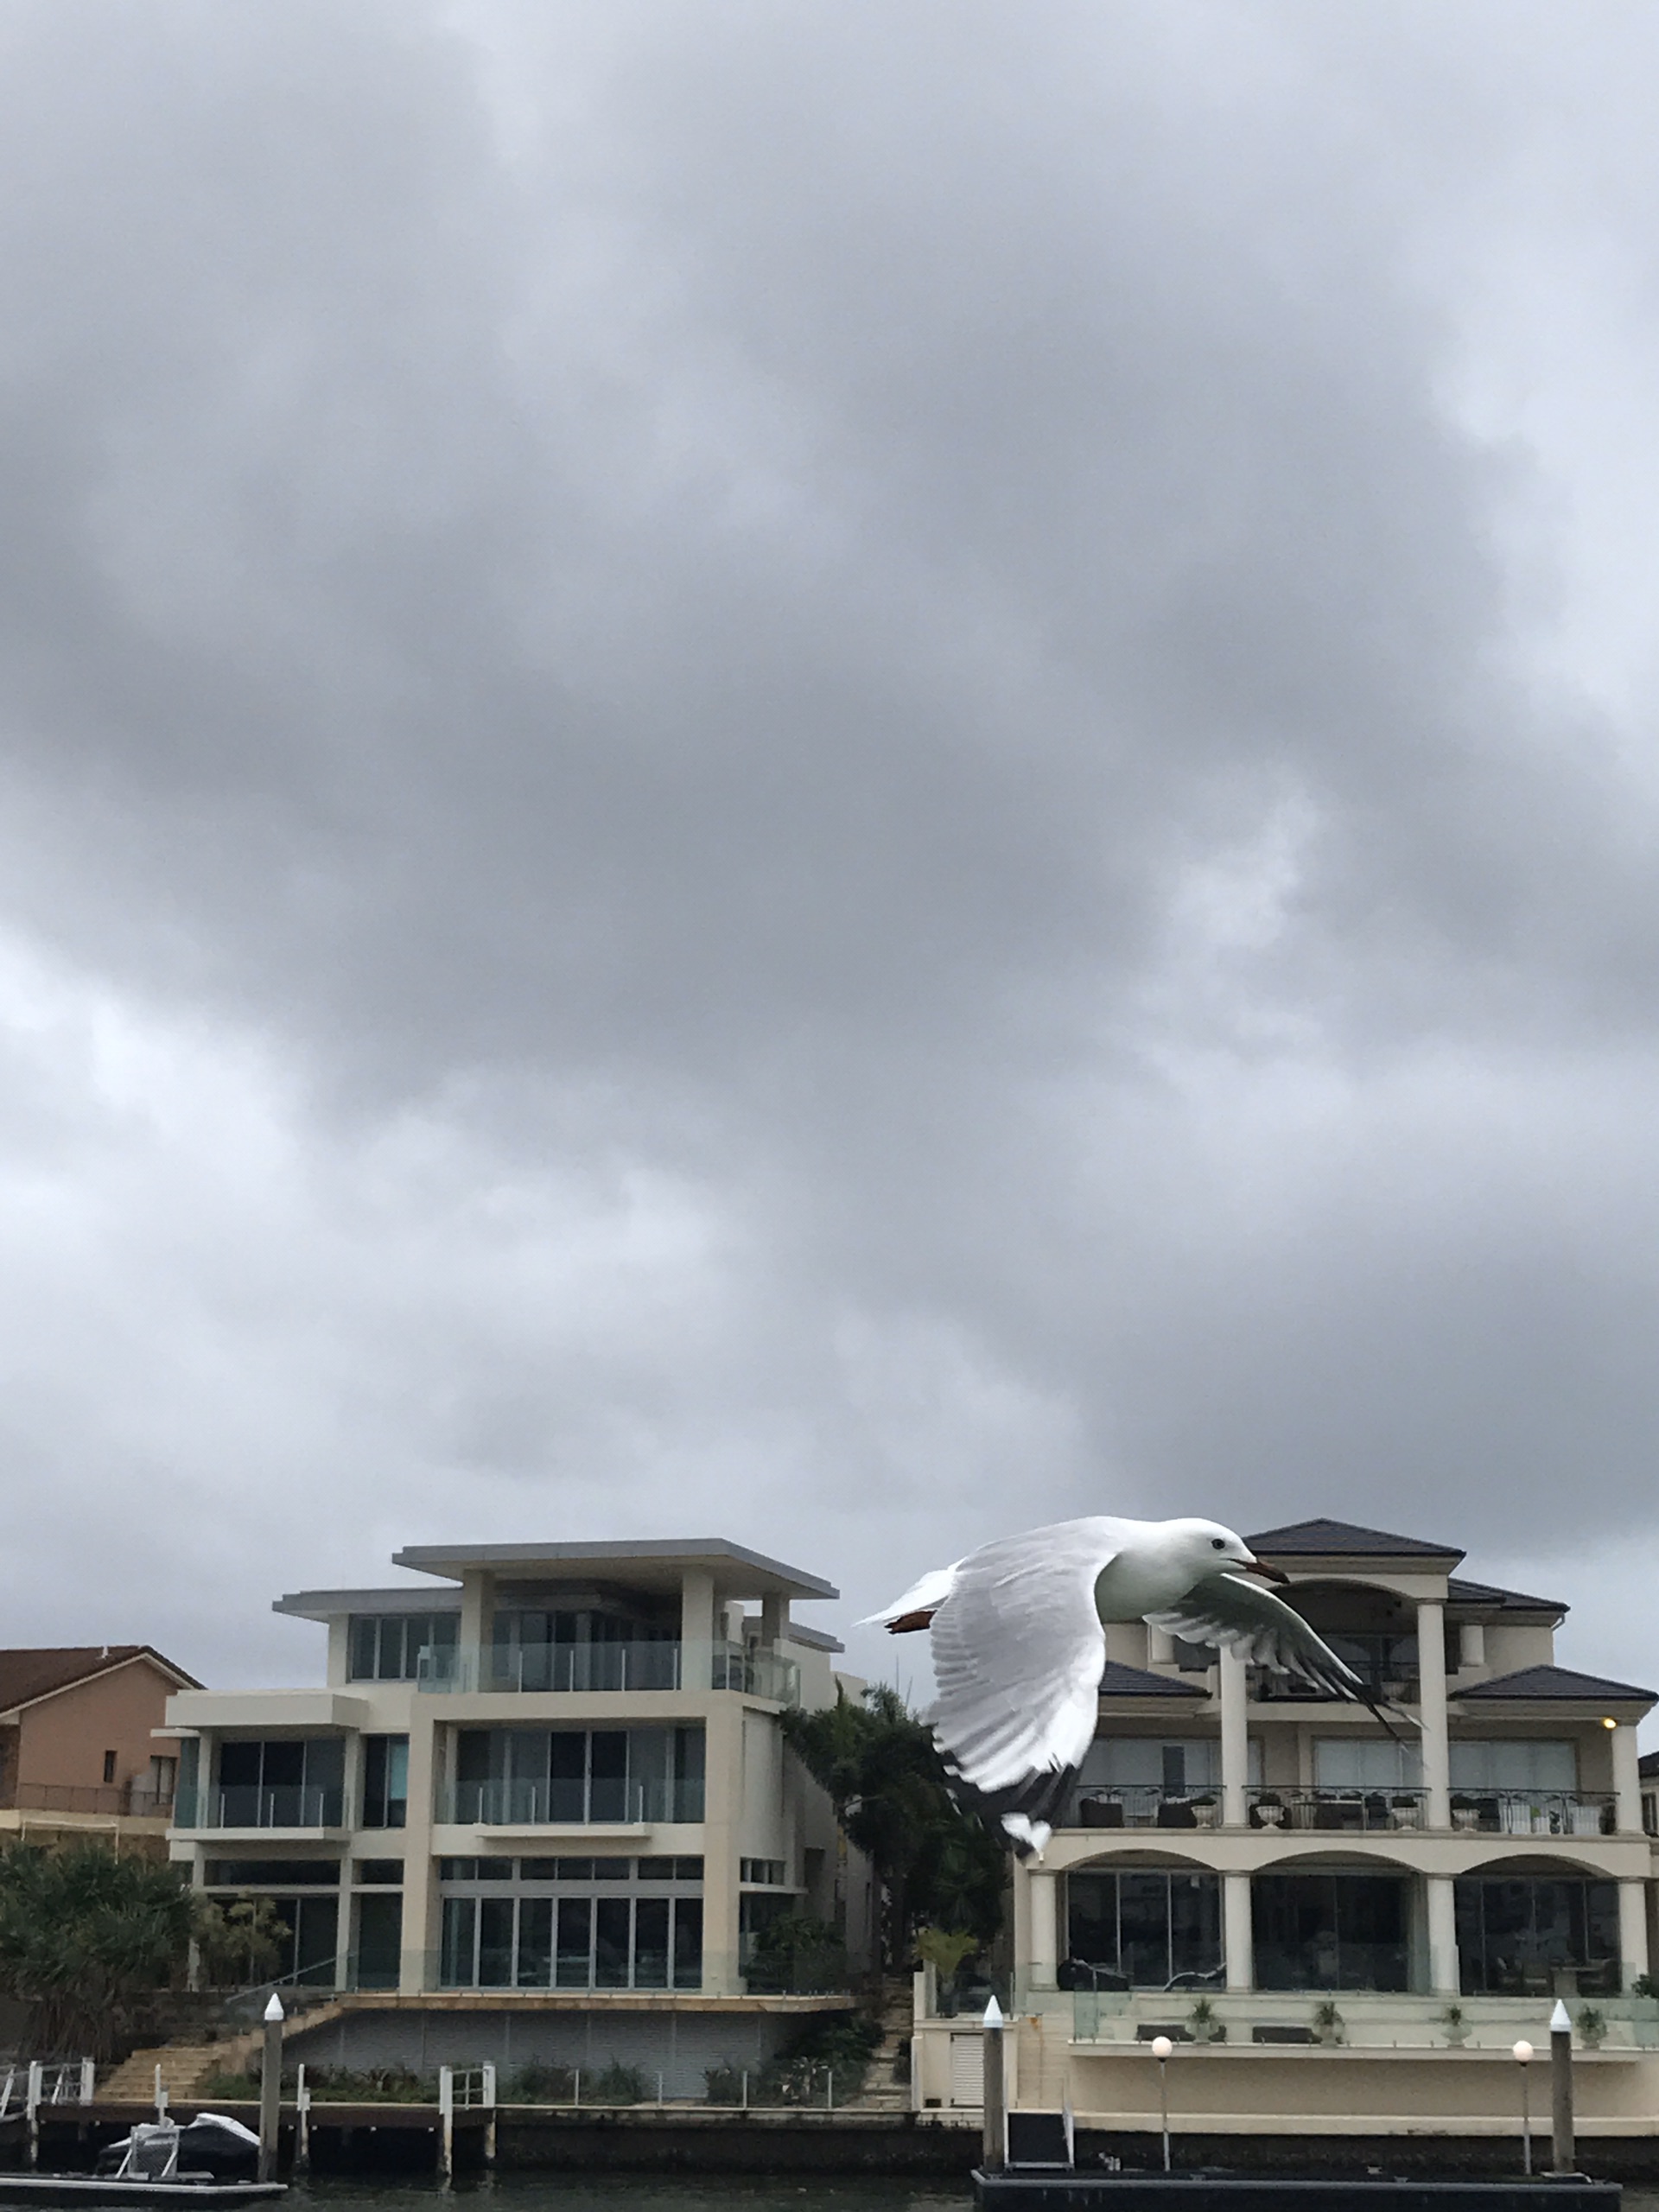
(638, 2193)
(653, 2193)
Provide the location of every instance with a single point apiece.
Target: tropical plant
(240, 1943)
(1645, 1985)
(798, 1954)
(1327, 2020)
(83, 1934)
(935, 1866)
(1592, 2024)
(828, 2062)
(944, 1949)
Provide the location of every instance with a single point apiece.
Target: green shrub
(842, 2045)
(616, 2085)
(538, 2084)
(723, 2085)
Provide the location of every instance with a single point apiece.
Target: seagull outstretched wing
(1018, 1650)
(1228, 1609)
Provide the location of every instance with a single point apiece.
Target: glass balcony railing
(252, 1806)
(631, 1666)
(592, 1803)
(756, 1671)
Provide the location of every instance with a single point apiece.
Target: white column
(422, 1907)
(1235, 1741)
(476, 1627)
(1443, 1976)
(774, 1622)
(696, 1628)
(1627, 1779)
(1238, 1937)
(1045, 1923)
(1632, 1930)
(1430, 1677)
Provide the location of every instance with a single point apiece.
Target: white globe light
(1523, 2051)
(1161, 2046)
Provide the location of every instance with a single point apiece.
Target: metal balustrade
(1338, 1810)
(1142, 1805)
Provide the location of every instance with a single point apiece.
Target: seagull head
(1211, 1549)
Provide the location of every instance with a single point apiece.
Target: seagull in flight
(1018, 1644)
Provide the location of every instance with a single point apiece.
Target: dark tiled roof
(1119, 1680)
(1489, 1595)
(25, 1675)
(1343, 1540)
(1648, 1765)
(1559, 1682)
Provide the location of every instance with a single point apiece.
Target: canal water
(650, 2193)
(635, 2193)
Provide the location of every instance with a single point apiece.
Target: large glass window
(1365, 1763)
(388, 1647)
(1337, 1930)
(542, 1647)
(1539, 1764)
(573, 1775)
(286, 1783)
(627, 1935)
(1146, 1928)
(1537, 1935)
(385, 1782)
(379, 1941)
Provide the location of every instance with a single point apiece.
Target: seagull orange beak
(1272, 1573)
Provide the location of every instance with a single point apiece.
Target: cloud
(843, 778)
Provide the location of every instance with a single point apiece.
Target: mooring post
(1524, 2059)
(33, 2112)
(996, 2151)
(270, 2088)
(489, 2106)
(1161, 2047)
(160, 2093)
(1563, 2156)
(302, 2122)
(446, 2122)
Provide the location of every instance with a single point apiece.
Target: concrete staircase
(187, 2062)
(883, 2090)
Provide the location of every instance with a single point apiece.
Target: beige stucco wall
(63, 1739)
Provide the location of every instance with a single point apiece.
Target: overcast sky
(843, 775)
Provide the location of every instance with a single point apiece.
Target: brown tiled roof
(1536, 1683)
(26, 1675)
(1343, 1539)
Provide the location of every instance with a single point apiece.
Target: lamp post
(1524, 2059)
(1161, 2047)
(1563, 2157)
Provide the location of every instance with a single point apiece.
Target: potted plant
(1592, 2027)
(1328, 2021)
(1204, 1812)
(1406, 1812)
(1205, 2027)
(1465, 1814)
(1269, 1809)
(1457, 2028)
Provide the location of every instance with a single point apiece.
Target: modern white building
(540, 1771)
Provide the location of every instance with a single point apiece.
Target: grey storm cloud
(846, 774)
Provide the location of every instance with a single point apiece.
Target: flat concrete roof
(646, 1563)
(330, 1604)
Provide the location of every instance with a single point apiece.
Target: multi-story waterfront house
(82, 1750)
(1241, 1858)
(547, 1777)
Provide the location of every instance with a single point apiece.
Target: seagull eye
(1218, 1543)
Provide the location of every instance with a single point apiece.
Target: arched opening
(1328, 1922)
(1537, 1927)
(1142, 1923)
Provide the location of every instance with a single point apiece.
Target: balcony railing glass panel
(756, 1673)
(581, 1801)
(251, 1805)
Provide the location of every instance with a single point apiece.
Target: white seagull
(1019, 1646)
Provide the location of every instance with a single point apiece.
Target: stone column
(1043, 1954)
(1632, 1930)
(774, 1622)
(418, 1967)
(722, 1826)
(1238, 1936)
(1431, 1679)
(1627, 1778)
(1235, 1741)
(1443, 1972)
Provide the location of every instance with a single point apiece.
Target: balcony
(1138, 1805)
(1343, 1812)
(597, 1802)
(122, 1801)
(560, 1667)
(1535, 1812)
(251, 1805)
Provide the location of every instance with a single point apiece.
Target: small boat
(210, 2161)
